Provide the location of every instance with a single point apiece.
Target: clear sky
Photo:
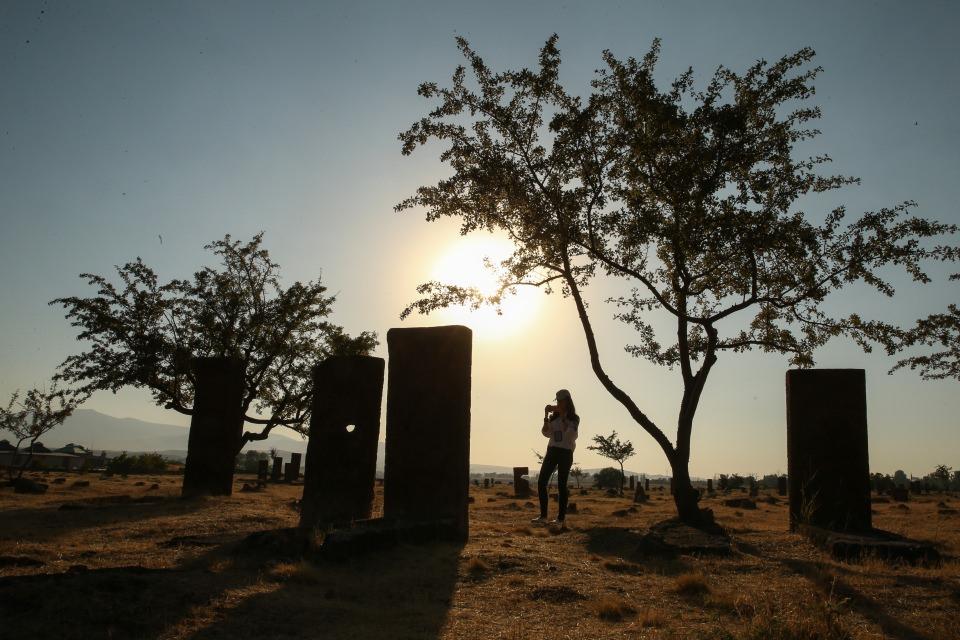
(124, 121)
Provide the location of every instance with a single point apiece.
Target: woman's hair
(571, 410)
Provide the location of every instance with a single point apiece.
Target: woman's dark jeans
(561, 460)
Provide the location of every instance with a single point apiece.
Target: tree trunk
(685, 497)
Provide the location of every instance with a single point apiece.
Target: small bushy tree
(611, 447)
(577, 473)
(39, 411)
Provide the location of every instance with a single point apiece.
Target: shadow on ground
(230, 592)
(617, 543)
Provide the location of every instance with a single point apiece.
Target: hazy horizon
(135, 129)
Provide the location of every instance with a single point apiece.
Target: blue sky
(125, 121)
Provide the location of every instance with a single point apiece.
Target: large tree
(141, 333)
(687, 196)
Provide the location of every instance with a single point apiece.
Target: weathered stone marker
(486, 483)
(639, 495)
(215, 427)
(633, 482)
(427, 465)
(709, 485)
(521, 487)
(292, 469)
(646, 485)
(754, 488)
(263, 470)
(827, 455)
(277, 472)
(781, 485)
(344, 432)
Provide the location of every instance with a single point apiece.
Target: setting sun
(463, 264)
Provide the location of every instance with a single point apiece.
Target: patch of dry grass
(691, 584)
(611, 609)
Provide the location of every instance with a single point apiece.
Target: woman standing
(560, 424)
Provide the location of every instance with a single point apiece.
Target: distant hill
(99, 431)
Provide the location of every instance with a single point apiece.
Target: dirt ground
(127, 558)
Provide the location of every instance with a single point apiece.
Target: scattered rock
(153, 487)
(59, 480)
(20, 561)
(529, 505)
(22, 485)
(79, 484)
(491, 499)
(139, 483)
(612, 493)
(740, 503)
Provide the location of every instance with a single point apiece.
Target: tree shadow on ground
(625, 543)
(231, 591)
(401, 592)
(832, 585)
(51, 521)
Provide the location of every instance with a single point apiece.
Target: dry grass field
(121, 558)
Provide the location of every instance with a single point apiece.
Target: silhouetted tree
(141, 333)
(900, 478)
(611, 447)
(576, 472)
(39, 412)
(941, 476)
(940, 331)
(685, 196)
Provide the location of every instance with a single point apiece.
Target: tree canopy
(142, 333)
(687, 196)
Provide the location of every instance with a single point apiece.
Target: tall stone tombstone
(646, 485)
(754, 488)
(633, 482)
(277, 472)
(292, 470)
(521, 487)
(781, 485)
(344, 432)
(215, 427)
(263, 470)
(427, 463)
(709, 485)
(827, 457)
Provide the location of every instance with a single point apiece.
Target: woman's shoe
(559, 522)
(538, 520)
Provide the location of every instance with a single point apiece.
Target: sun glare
(463, 264)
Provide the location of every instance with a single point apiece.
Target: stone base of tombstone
(882, 545)
(675, 537)
(377, 534)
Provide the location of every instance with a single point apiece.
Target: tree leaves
(143, 334)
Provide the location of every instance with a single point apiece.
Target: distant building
(72, 457)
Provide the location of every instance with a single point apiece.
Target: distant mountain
(99, 431)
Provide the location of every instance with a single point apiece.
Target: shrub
(142, 463)
(608, 478)
(692, 584)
